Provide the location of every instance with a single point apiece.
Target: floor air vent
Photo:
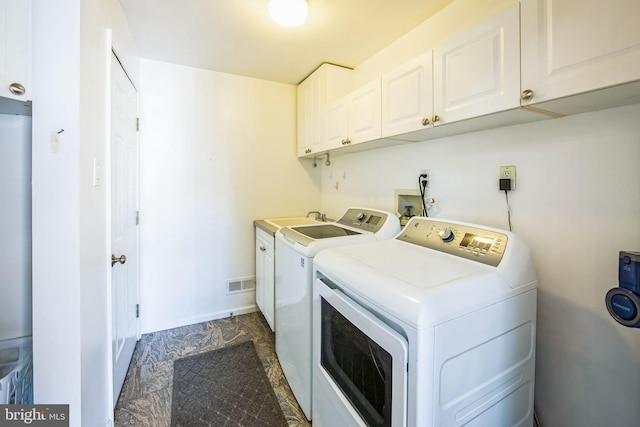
(245, 284)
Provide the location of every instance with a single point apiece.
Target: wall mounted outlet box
(408, 197)
(509, 172)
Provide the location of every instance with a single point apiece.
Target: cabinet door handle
(435, 119)
(17, 89)
(526, 94)
(262, 248)
(425, 121)
(114, 260)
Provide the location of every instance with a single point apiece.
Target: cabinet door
(575, 46)
(336, 124)
(269, 297)
(259, 272)
(15, 48)
(478, 72)
(364, 113)
(407, 96)
(310, 112)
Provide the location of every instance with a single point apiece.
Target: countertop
(264, 225)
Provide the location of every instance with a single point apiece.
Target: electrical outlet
(509, 172)
(427, 172)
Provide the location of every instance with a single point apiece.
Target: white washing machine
(295, 249)
(434, 328)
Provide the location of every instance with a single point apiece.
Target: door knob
(121, 260)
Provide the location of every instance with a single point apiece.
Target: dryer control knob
(361, 216)
(446, 234)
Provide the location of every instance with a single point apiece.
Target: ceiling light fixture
(288, 13)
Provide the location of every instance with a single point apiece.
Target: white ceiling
(239, 37)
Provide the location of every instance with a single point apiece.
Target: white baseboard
(202, 318)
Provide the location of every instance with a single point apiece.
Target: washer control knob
(446, 234)
(361, 216)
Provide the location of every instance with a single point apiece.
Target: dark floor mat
(224, 387)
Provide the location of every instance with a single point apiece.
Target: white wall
(71, 299)
(56, 218)
(217, 152)
(577, 204)
(15, 226)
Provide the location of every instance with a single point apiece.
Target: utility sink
(288, 222)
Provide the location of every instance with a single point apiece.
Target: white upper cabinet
(407, 96)
(323, 86)
(535, 60)
(478, 72)
(572, 47)
(468, 83)
(15, 49)
(355, 118)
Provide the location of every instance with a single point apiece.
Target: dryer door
(362, 361)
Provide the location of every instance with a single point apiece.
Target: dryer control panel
(477, 244)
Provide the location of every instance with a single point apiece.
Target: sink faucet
(318, 216)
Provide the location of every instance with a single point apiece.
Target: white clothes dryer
(434, 328)
(295, 248)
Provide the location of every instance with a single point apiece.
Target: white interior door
(124, 232)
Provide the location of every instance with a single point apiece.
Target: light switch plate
(97, 172)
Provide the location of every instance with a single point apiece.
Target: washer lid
(325, 231)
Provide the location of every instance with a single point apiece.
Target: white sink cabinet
(265, 261)
(265, 275)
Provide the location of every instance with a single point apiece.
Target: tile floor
(145, 399)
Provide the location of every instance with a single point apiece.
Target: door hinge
(137, 311)
(138, 124)
(137, 217)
